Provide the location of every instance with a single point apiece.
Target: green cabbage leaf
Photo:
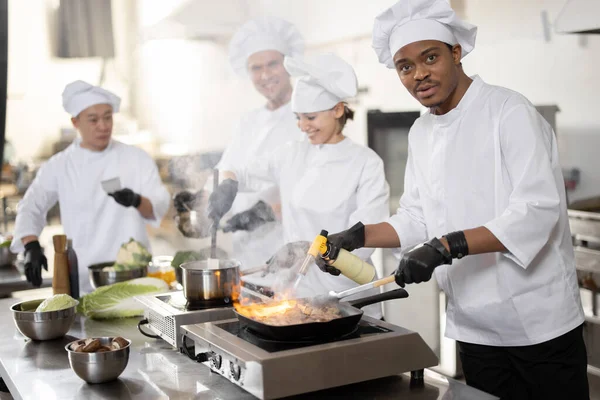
(118, 300)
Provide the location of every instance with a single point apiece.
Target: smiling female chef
(325, 180)
(97, 224)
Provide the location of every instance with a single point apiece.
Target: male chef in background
(484, 209)
(257, 50)
(98, 222)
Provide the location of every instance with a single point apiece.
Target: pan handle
(377, 298)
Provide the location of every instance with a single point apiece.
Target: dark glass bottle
(73, 270)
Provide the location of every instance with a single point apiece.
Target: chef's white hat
(324, 82)
(410, 21)
(80, 95)
(260, 34)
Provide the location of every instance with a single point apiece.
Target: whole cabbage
(57, 302)
(131, 255)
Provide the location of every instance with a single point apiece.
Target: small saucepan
(211, 280)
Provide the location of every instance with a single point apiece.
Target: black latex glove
(287, 256)
(350, 240)
(185, 200)
(221, 199)
(323, 266)
(35, 260)
(249, 220)
(417, 265)
(127, 198)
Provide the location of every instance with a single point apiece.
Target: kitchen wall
(187, 94)
(184, 92)
(511, 51)
(36, 79)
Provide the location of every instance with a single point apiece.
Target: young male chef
(98, 222)
(484, 209)
(257, 51)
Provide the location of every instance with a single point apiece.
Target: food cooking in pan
(288, 312)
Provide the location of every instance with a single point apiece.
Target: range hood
(579, 16)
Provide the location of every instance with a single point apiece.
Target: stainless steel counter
(12, 279)
(34, 370)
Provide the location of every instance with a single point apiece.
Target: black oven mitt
(259, 214)
(288, 256)
(221, 200)
(185, 200)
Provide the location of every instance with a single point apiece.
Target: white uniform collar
(77, 144)
(463, 104)
(284, 109)
(335, 146)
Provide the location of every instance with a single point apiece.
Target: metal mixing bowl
(45, 325)
(6, 257)
(99, 367)
(100, 277)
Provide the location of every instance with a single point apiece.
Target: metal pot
(201, 283)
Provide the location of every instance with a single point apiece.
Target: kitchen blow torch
(349, 265)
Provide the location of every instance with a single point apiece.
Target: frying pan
(350, 312)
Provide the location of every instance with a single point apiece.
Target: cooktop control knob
(215, 361)
(235, 370)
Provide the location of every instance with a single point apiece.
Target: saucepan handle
(391, 295)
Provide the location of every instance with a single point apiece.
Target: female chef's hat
(80, 95)
(410, 21)
(323, 82)
(260, 34)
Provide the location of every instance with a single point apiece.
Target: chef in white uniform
(326, 181)
(257, 50)
(484, 209)
(97, 222)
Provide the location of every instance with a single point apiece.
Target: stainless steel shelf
(584, 224)
(587, 260)
(593, 370)
(592, 319)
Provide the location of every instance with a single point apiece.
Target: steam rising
(282, 266)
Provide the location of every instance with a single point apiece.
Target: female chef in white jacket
(326, 181)
(97, 223)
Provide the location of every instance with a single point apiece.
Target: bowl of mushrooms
(98, 360)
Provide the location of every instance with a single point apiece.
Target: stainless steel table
(12, 279)
(35, 370)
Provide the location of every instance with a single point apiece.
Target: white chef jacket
(259, 132)
(493, 161)
(96, 223)
(331, 187)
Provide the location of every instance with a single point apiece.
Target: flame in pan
(264, 310)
